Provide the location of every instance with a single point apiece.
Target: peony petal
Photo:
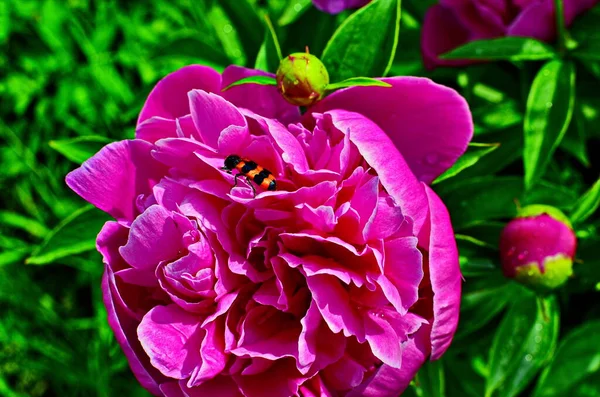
(124, 327)
(442, 32)
(169, 97)
(212, 114)
(445, 274)
(384, 341)
(537, 21)
(213, 354)
(394, 174)
(114, 177)
(155, 236)
(156, 128)
(335, 306)
(428, 123)
(262, 100)
(404, 268)
(337, 6)
(221, 386)
(388, 381)
(171, 338)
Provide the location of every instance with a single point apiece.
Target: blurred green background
(73, 76)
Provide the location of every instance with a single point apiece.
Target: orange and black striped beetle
(251, 171)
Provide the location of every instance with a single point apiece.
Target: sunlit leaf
(549, 110)
(365, 44)
(79, 149)
(74, 235)
(474, 152)
(504, 48)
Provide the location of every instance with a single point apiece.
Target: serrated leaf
(81, 148)
(260, 80)
(269, 55)
(575, 360)
(587, 204)
(523, 344)
(75, 234)
(357, 82)
(549, 111)
(504, 48)
(474, 152)
(365, 44)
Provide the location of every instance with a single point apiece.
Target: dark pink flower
(341, 282)
(337, 6)
(452, 23)
(538, 247)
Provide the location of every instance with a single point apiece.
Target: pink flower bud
(537, 248)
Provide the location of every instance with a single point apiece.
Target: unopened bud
(537, 248)
(302, 79)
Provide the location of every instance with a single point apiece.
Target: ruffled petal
(116, 176)
(169, 97)
(429, 124)
(388, 381)
(260, 99)
(213, 115)
(392, 169)
(444, 270)
(171, 338)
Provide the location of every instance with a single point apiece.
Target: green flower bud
(302, 79)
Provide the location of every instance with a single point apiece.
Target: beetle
(251, 171)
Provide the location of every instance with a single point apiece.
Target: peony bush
(452, 23)
(340, 283)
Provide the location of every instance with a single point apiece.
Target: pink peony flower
(337, 6)
(452, 23)
(341, 282)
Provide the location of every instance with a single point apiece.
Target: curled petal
(263, 100)
(171, 338)
(169, 98)
(445, 274)
(114, 177)
(428, 123)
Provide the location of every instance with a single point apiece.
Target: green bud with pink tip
(537, 248)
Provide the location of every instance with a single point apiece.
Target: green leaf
(471, 201)
(365, 44)
(269, 55)
(245, 20)
(15, 220)
(474, 152)
(574, 141)
(357, 82)
(293, 11)
(576, 359)
(81, 148)
(260, 80)
(523, 344)
(431, 379)
(587, 204)
(75, 234)
(482, 300)
(549, 110)
(504, 48)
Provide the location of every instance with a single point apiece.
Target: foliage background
(73, 76)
